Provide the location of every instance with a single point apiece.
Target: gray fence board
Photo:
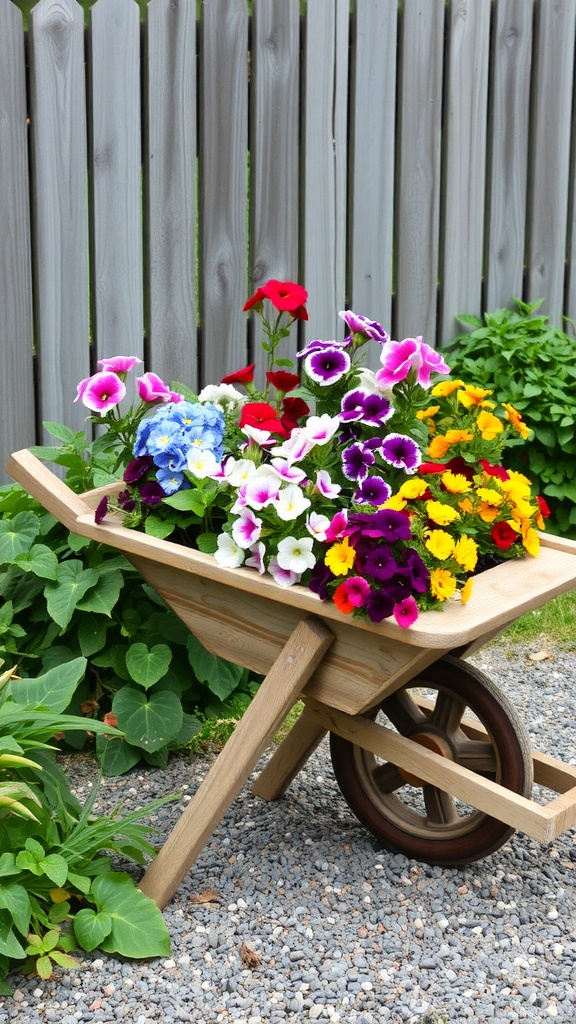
(371, 192)
(548, 197)
(15, 276)
(509, 117)
(170, 90)
(116, 162)
(465, 161)
(418, 168)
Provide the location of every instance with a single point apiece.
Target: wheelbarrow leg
(290, 672)
(289, 758)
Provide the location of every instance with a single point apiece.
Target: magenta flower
(360, 324)
(406, 612)
(356, 589)
(152, 389)
(338, 525)
(398, 358)
(119, 364)
(247, 529)
(101, 392)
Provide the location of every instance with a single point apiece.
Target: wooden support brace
(277, 694)
(289, 758)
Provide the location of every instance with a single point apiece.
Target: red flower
(245, 376)
(497, 471)
(341, 599)
(282, 380)
(286, 296)
(262, 416)
(503, 535)
(428, 468)
(256, 298)
(544, 509)
(293, 409)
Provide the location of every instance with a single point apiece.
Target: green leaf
(91, 928)
(17, 535)
(60, 430)
(221, 676)
(92, 634)
(40, 560)
(207, 542)
(104, 596)
(44, 967)
(147, 665)
(9, 944)
(116, 756)
(148, 720)
(63, 960)
(160, 528)
(16, 901)
(138, 928)
(53, 690)
(55, 868)
(63, 595)
(190, 500)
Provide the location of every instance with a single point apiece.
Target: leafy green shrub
(63, 597)
(531, 364)
(57, 889)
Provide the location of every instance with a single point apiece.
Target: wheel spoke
(387, 778)
(477, 755)
(440, 807)
(448, 712)
(403, 711)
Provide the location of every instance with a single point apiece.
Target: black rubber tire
(439, 831)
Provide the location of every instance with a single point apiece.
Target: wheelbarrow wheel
(405, 813)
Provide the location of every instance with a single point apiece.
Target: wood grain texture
(116, 172)
(289, 757)
(509, 124)
(223, 187)
(550, 155)
(170, 166)
(418, 169)
(464, 162)
(60, 206)
(16, 338)
(372, 163)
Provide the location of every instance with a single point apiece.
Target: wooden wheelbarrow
(446, 779)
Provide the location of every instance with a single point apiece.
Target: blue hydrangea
(171, 431)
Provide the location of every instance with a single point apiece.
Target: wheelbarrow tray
(341, 667)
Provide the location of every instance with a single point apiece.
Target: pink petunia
(406, 612)
(101, 392)
(152, 389)
(119, 364)
(398, 358)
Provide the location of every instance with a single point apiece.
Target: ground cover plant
(522, 358)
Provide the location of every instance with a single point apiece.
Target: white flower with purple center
(402, 452)
(261, 490)
(373, 491)
(295, 555)
(367, 381)
(229, 554)
(291, 502)
(360, 324)
(247, 529)
(296, 447)
(326, 366)
(325, 486)
(288, 474)
(318, 346)
(317, 524)
(283, 577)
(321, 429)
(256, 559)
(260, 438)
(356, 461)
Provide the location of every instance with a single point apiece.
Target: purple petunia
(319, 580)
(327, 365)
(419, 572)
(373, 490)
(137, 468)
(402, 452)
(386, 524)
(360, 324)
(356, 461)
(371, 409)
(380, 564)
(379, 605)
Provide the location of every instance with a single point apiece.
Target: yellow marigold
(471, 395)
(413, 489)
(446, 387)
(340, 557)
(455, 483)
(438, 447)
(440, 544)
(489, 425)
(515, 419)
(488, 513)
(440, 513)
(425, 414)
(531, 540)
(490, 496)
(466, 506)
(395, 502)
(458, 436)
(442, 584)
(466, 553)
(466, 591)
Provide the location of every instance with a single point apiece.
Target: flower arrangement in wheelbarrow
(384, 491)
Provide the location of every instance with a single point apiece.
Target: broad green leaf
(148, 720)
(147, 665)
(207, 542)
(64, 960)
(160, 528)
(8, 865)
(17, 535)
(91, 928)
(40, 560)
(60, 430)
(9, 944)
(55, 868)
(16, 901)
(222, 677)
(104, 596)
(191, 500)
(53, 690)
(44, 967)
(92, 634)
(116, 755)
(138, 928)
(64, 593)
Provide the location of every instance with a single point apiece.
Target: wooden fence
(410, 160)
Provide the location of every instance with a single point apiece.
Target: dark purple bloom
(319, 580)
(151, 493)
(373, 490)
(419, 572)
(387, 524)
(377, 410)
(399, 586)
(360, 324)
(380, 564)
(101, 511)
(401, 451)
(379, 605)
(318, 346)
(326, 366)
(353, 405)
(356, 460)
(126, 501)
(137, 468)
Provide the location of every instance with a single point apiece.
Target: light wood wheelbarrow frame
(472, 773)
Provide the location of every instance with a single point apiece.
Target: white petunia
(202, 463)
(238, 471)
(229, 554)
(321, 429)
(295, 555)
(283, 577)
(224, 396)
(291, 502)
(317, 525)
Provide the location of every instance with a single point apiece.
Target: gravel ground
(310, 920)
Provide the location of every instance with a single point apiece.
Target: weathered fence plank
(116, 162)
(18, 420)
(60, 205)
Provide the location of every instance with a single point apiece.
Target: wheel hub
(432, 741)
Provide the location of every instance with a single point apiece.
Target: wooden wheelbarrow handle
(47, 488)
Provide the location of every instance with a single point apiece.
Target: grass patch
(215, 731)
(555, 622)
